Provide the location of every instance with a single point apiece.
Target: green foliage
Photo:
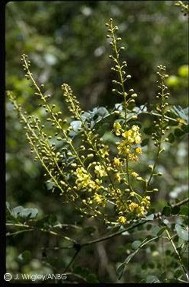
(107, 166)
(61, 50)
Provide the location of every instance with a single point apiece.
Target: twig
(177, 253)
(18, 232)
(180, 202)
(114, 234)
(131, 227)
(72, 260)
(77, 246)
(34, 228)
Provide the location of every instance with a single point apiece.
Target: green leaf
(136, 244)
(120, 270)
(178, 112)
(184, 210)
(49, 185)
(182, 233)
(150, 217)
(185, 129)
(175, 210)
(130, 256)
(179, 132)
(105, 122)
(75, 128)
(166, 222)
(166, 211)
(102, 128)
(155, 229)
(22, 212)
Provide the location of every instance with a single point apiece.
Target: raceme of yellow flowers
(97, 180)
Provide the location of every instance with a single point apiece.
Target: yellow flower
(138, 150)
(116, 162)
(98, 199)
(84, 179)
(117, 128)
(126, 147)
(141, 211)
(123, 148)
(133, 157)
(146, 202)
(82, 176)
(122, 219)
(100, 171)
(129, 138)
(137, 139)
(133, 206)
(181, 121)
(134, 174)
(104, 152)
(132, 136)
(117, 176)
(135, 128)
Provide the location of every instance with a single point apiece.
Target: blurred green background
(66, 42)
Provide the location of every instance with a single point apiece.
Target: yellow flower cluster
(134, 174)
(116, 162)
(116, 177)
(100, 171)
(96, 176)
(92, 177)
(131, 138)
(132, 208)
(99, 199)
(122, 219)
(146, 202)
(140, 209)
(104, 151)
(84, 179)
(117, 128)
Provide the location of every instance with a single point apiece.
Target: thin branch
(61, 225)
(114, 234)
(56, 248)
(18, 232)
(72, 260)
(34, 228)
(129, 228)
(78, 246)
(180, 203)
(177, 254)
